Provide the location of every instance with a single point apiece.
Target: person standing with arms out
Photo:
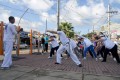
(65, 46)
(9, 33)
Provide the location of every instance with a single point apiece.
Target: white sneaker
(96, 59)
(49, 57)
(100, 58)
(114, 59)
(84, 58)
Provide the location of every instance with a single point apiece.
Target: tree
(89, 35)
(67, 28)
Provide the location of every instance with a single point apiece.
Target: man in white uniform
(65, 46)
(9, 32)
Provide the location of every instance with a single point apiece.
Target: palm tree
(67, 28)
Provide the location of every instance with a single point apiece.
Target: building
(114, 30)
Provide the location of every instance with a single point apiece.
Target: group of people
(98, 45)
(44, 43)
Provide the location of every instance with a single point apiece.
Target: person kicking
(66, 45)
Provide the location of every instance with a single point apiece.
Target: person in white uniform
(110, 46)
(65, 46)
(9, 32)
(74, 47)
(54, 45)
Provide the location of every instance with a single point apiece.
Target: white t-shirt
(73, 43)
(63, 37)
(108, 43)
(116, 42)
(54, 43)
(9, 32)
(87, 42)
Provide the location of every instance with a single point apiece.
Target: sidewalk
(32, 73)
(39, 67)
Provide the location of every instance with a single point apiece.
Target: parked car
(22, 46)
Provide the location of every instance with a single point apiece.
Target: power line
(23, 11)
(19, 10)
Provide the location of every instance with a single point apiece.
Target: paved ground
(32, 73)
(39, 67)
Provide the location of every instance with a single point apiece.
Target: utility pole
(109, 15)
(93, 29)
(46, 27)
(58, 14)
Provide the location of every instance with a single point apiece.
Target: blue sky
(83, 14)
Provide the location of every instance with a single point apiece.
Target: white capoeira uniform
(73, 43)
(65, 46)
(9, 32)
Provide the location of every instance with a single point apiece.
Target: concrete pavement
(31, 73)
(39, 67)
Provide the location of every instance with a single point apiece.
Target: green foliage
(67, 28)
(89, 35)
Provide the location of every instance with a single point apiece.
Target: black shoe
(80, 65)
(103, 61)
(57, 63)
(4, 68)
(118, 62)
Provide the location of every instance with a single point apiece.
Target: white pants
(8, 47)
(70, 51)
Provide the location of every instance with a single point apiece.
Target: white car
(22, 46)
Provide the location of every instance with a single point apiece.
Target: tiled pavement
(31, 73)
(90, 66)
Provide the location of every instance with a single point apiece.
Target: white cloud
(38, 5)
(81, 14)
(115, 1)
(27, 25)
(84, 15)
(4, 14)
(13, 1)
